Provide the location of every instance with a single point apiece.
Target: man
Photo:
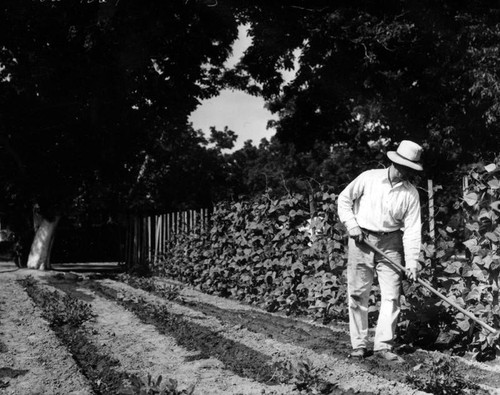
(383, 207)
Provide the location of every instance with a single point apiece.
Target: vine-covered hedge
(267, 252)
(261, 252)
(464, 264)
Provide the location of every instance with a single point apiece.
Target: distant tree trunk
(39, 257)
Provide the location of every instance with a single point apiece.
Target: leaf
(471, 198)
(494, 183)
(490, 168)
(473, 295)
(491, 339)
(467, 272)
(472, 226)
(495, 205)
(492, 236)
(487, 261)
(479, 274)
(298, 266)
(464, 325)
(453, 267)
(429, 249)
(470, 243)
(440, 254)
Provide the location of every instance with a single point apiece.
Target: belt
(372, 232)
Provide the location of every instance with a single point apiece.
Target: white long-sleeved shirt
(371, 202)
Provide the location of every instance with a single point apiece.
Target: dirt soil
(219, 345)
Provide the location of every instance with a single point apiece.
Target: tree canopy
(371, 74)
(92, 90)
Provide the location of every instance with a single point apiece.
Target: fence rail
(148, 237)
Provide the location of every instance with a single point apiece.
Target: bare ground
(219, 345)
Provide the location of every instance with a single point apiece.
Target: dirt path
(219, 345)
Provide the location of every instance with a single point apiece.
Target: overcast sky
(240, 112)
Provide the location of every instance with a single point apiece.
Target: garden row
(121, 333)
(72, 319)
(66, 316)
(288, 254)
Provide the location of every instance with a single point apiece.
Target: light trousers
(361, 266)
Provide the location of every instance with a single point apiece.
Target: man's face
(404, 173)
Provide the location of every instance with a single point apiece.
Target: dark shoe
(388, 356)
(358, 353)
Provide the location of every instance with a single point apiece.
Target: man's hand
(357, 234)
(412, 273)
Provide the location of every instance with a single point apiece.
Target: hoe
(426, 284)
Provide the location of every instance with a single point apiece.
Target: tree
(371, 74)
(187, 173)
(91, 89)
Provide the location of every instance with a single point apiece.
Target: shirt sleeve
(346, 199)
(412, 236)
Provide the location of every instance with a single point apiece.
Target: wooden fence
(148, 237)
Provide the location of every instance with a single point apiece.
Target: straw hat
(407, 154)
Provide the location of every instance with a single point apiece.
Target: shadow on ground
(92, 267)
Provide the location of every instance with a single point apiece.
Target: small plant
(59, 309)
(440, 377)
(307, 380)
(149, 386)
(148, 284)
(28, 282)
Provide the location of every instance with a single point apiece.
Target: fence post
(157, 235)
(149, 239)
(128, 237)
(135, 246)
(144, 249)
(430, 191)
(169, 224)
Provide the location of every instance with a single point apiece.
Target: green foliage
(464, 264)
(148, 284)
(260, 251)
(95, 98)
(149, 386)
(374, 73)
(440, 377)
(307, 380)
(58, 309)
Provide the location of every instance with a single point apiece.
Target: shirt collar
(403, 183)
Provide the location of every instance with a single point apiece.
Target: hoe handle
(434, 291)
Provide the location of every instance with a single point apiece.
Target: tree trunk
(39, 257)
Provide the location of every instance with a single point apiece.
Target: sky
(240, 112)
